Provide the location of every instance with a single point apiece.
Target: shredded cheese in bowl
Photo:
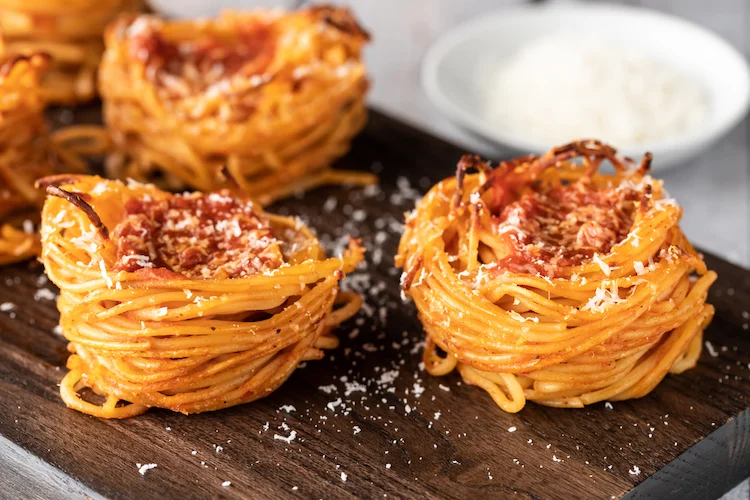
(566, 87)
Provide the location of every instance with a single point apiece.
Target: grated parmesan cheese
(288, 439)
(604, 297)
(601, 89)
(605, 267)
(44, 293)
(518, 317)
(711, 351)
(640, 269)
(142, 469)
(106, 277)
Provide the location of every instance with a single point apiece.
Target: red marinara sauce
(203, 236)
(546, 231)
(197, 63)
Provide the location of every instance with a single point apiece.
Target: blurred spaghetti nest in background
(68, 30)
(190, 302)
(27, 152)
(274, 96)
(545, 280)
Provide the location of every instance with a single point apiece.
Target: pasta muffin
(191, 302)
(68, 30)
(544, 280)
(27, 152)
(273, 96)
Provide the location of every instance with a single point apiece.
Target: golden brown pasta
(68, 30)
(27, 152)
(275, 97)
(191, 302)
(544, 280)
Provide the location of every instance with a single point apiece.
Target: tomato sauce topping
(196, 64)
(209, 236)
(564, 226)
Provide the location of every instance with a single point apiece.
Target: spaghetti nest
(68, 30)
(274, 97)
(191, 302)
(547, 281)
(27, 152)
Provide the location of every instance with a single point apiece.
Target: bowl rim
(697, 139)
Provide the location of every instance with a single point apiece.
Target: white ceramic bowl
(209, 8)
(452, 69)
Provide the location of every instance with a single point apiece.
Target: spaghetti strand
(27, 151)
(273, 98)
(68, 31)
(544, 280)
(191, 302)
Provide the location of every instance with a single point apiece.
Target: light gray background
(714, 188)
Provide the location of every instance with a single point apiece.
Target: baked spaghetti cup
(273, 96)
(71, 32)
(544, 280)
(27, 152)
(190, 302)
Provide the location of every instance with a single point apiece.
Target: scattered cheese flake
(604, 297)
(44, 293)
(518, 317)
(291, 437)
(333, 404)
(711, 350)
(640, 269)
(328, 389)
(106, 277)
(142, 469)
(388, 377)
(605, 267)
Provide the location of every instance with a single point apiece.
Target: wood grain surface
(366, 421)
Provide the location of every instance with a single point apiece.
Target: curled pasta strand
(543, 280)
(274, 117)
(27, 151)
(152, 337)
(434, 364)
(70, 32)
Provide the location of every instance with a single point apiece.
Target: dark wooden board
(689, 438)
